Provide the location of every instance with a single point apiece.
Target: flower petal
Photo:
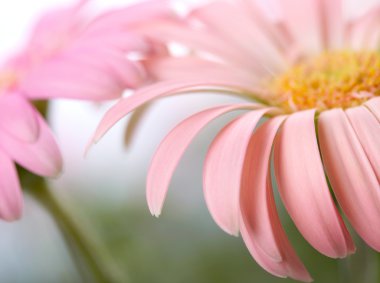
(199, 40)
(303, 187)
(260, 225)
(351, 175)
(11, 202)
(18, 117)
(42, 157)
(172, 148)
(374, 106)
(144, 95)
(367, 129)
(223, 170)
(233, 29)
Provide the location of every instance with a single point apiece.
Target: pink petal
(200, 40)
(130, 16)
(351, 175)
(318, 26)
(172, 148)
(303, 187)
(260, 225)
(144, 95)
(62, 78)
(223, 170)
(18, 118)
(374, 106)
(367, 129)
(11, 202)
(42, 157)
(169, 68)
(233, 29)
(362, 32)
(277, 269)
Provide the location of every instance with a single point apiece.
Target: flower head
(69, 55)
(314, 73)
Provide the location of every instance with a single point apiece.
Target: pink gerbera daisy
(67, 56)
(315, 75)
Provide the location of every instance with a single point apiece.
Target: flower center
(332, 79)
(7, 79)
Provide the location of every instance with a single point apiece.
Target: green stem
(363, 266)
(80, 239)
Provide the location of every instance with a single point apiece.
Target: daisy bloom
(67, 56)
(314, 73)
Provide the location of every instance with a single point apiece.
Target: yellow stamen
(331, 79)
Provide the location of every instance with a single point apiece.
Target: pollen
(332, 79)
(7, 79)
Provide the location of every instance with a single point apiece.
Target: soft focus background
(106, 190)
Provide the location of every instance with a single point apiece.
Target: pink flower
(67, 56)
(315, 75)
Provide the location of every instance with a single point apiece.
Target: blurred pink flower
(315, 75)
(67, 56)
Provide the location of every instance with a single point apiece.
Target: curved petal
(11, 202)
(367, 129)
(260, 225)
(351, 175)
(126, 105)
(303, 187)
(173, 147)
(42, 157)
(223, 170)
(18, 117)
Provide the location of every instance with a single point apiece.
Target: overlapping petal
(18, 118)
(260, 225)
(223, 170)
(173, 147)
(351, 175)
(304, 189)
(10, 191)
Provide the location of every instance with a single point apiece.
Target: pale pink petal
(130, 16)
(110, 63)
(303, 187)
(200, 40)
(172, 148)
(374, 106)
(144, 95)
(223, 170)
(54, 29)
(260, 225)
(11, 202)
(351, 175)
(317, 24)
(362, 32)
(367, 129)
(169, 68)
(41, 157)
(18, 118)
(233, 29)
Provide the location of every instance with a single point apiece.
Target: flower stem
(98, 264)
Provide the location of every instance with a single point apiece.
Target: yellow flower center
(332, 79)
(7, 79)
